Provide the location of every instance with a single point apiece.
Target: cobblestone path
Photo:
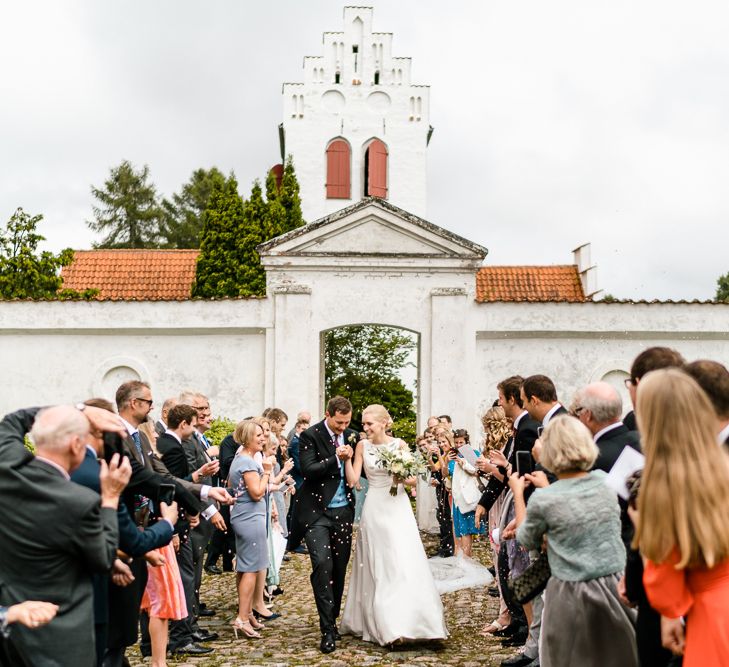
(293, 639)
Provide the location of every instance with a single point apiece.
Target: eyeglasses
(149, 401)
(628, 382)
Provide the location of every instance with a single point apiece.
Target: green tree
(24, 272)
(284, 201)
(290, 198)
(365, 363)
(722, 288)
(183, 214)
(217, 271)
(128, 211)
(256, 229)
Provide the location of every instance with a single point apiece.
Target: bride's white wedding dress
(391, 594)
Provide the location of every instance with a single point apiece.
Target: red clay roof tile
(157, 275)
(145, 275)
(529, 283)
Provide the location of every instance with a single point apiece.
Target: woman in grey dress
(583, 622)
(248, 480)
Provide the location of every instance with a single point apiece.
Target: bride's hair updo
(380, 413)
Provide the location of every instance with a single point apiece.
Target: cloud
(555, 123)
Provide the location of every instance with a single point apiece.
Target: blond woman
(583, 622)
(681, 526)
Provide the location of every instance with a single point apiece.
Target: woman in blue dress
(466, 494)
(249, 481)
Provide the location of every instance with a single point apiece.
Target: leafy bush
(219, 428)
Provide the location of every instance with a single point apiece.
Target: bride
(391, 590)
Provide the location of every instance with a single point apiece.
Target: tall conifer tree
(252, 233)
(218, 272)
(290, 198)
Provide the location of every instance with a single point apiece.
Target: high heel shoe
(254, 623)
(245, 628)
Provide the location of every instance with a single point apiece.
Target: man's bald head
(598, 405)
(60, 433)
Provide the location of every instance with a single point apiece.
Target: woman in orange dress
(163, 599)
(681, 525)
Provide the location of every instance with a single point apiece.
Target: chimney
(586, 269)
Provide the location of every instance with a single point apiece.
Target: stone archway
(373, 363)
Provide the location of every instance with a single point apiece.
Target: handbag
(532, 581)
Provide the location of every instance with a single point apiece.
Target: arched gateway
(371, 262)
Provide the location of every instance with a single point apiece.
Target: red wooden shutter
(377, 171)
(338, 181)
(278, 170)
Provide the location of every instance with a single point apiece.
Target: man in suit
(324, 511)
(199, 452)
(522, 440)
(650, 359)
(539, 398)
(54, 533)
(132, 542)
(181, 422)
(161, 424)
(134, 403)
(599, 406)
(713, 378)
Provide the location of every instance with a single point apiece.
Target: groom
(324, 510)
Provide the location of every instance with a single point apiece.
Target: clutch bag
(532, 581)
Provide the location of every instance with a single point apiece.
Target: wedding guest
(713, 378)
(442, 482)
(161, 424)
(466, 494)
(278, 419)
(248, 480)
(426, 503)
(497, 430)
(599, 406)
(30, 613)
(277, 511)
(163, 599)
(681, 523)
(260, 610)
(583, 622)
(77, 536)
(650, 359)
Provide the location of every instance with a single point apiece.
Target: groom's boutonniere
(352, 439)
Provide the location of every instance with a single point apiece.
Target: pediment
(372, 228)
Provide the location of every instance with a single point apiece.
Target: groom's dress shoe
(337, 636)
(328, 643)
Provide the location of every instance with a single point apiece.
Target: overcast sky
(556, 123)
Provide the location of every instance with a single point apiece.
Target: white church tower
(357, 126)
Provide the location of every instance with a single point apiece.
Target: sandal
(492, 628)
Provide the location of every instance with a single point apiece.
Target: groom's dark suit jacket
(319, 467)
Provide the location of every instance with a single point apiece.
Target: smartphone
(523, 463)
(166, 494)
(113, 444)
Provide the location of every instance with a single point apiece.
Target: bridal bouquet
(400, 463)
